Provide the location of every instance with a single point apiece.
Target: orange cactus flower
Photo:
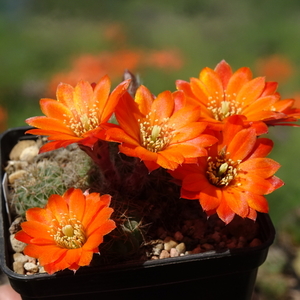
(235, 175)
(222, 93)
(67, 232)
(160, 131)
(77, 114)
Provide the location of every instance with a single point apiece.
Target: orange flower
(234, 176)
(160, 131)
(77, 114)
(222, 93)
(67, 232)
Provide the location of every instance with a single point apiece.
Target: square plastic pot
(208, 276)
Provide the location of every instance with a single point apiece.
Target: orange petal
(85, 258)
(212, 82)
(256, 184)
(200, 91)
(242, 144)
(39, 215)
(196, 182)
(58, 206)
(210, 197)
(54, 109)
(263, 103)
(162, 106)
(113, 100)
(185, 116)
(184, 86)
(100, 219)
(236, 203)
(101, 94)
(51, 124)
(23, 237)
(82, 96)
(251, 91)
(224, 71)
(264, 167)
(118, 135)
(127, 114)
(64, 94)
(256, 202)
(73, 256)
(144, 99)
(173, 154)
(179, 100)
(262, 148)
(77, 204)
(96, 238)
(36, 229)
(188, 132)
(238, 80)
(225, 213)
(283, 104)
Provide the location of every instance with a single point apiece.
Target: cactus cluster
(44, 175)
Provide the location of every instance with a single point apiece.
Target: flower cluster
(206, 135)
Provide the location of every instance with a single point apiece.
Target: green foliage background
(40, 38)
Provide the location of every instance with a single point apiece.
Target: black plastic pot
(207, 276)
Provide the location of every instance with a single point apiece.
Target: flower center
(222, 171)
(224, 108)
(155, 135)
(83, 122)
(69, 233)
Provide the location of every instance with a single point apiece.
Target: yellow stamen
(222, 171)
(224, 108)
(69, 233)
(155, 135)
(81, 123)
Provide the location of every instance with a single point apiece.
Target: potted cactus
(172, 193)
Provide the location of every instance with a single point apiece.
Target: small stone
(207, 247)
(18, 267)
(216, 236)
(29, 153)
(157, 249)
(197, 250)
(169, 243)
(161, 232)
(42, 270)
(19, 147)
(31, 259)
(242, 242)
(164, 254)
(180, 248)
(16, 175)
(16, 245)
(178, 236)
(31, 267)
(15, 225)
(154, 257)
(19, 257)
(174, 252)
(255, 242)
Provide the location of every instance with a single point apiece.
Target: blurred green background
(43, 42)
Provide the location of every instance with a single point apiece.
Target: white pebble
(164, 254)
(31, 267)
(174, 252)
(18, 267)
(16, 245)
(28, 154)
